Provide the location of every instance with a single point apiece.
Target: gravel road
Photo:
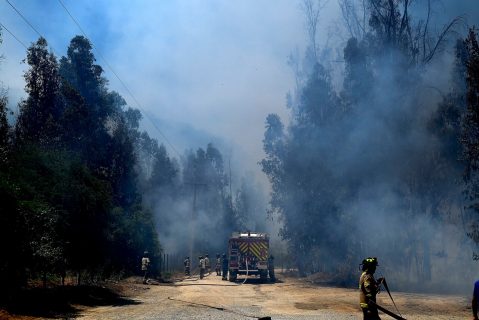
(290, 298)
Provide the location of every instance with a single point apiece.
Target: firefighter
(207, 264)
(225, 267)
(218, 265)
(202, 267)
(145, 265)
(271, 268)
(475, 300)
(368, 288)
(187, 264)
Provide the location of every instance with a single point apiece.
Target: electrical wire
(13, 35)
(30, 25)
(119, 79)
(101, 56)
(24, 19)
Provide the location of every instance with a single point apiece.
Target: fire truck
(248, 254)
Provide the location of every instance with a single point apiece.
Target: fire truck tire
(263, 276)
(232, 277)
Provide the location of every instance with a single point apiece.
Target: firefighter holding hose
(369, 287)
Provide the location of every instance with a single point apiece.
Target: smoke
(398, 205)
(198, 211)
(378, 181)
(392, 152)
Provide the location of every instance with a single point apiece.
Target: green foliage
(356, 91)
(248, 206)
(446, 123)
(351, 165)
(13, 235)
(4, 127)
(69, 178)
(470, 138)
(164, 170)
(305, 190)
(78, 68)
(470, 132)
(40, 112)
(203, 173)
(79, 165)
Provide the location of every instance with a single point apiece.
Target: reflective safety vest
(368, 288)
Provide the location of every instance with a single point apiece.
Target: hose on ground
(219, 308)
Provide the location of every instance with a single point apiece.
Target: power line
(101, 56)
(24, 19)
(30, 25)
(71, 16)
(15, 37)
(119, 79)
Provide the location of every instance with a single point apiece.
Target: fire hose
(246, 260)
(194, 276)
(386, 311)
(220, 309)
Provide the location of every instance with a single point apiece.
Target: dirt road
(290, 298)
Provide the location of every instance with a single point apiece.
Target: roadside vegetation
(379, 154)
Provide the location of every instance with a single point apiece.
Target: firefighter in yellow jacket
(368, 288)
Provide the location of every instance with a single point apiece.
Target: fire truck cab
(248, 254)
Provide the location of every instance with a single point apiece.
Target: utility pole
(231, 192)
(194, 215)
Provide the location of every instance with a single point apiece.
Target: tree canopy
(374, 168)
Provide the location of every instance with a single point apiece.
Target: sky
(202, 70)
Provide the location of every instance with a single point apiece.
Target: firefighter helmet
(369, 262)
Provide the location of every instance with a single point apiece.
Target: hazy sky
(206, 69)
